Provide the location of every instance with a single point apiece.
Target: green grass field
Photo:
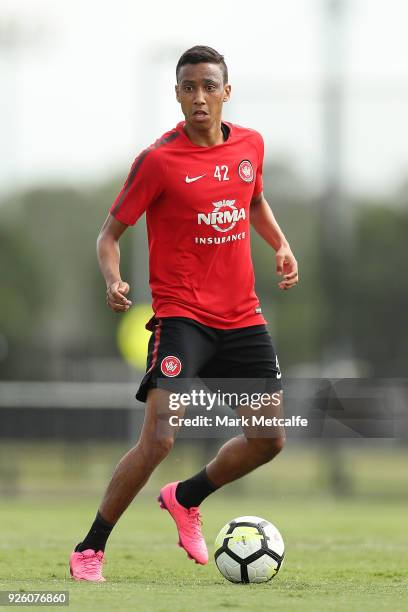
(340, 555)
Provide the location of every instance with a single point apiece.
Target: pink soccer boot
(87, 565)
(188, 522)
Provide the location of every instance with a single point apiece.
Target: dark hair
(202, 54)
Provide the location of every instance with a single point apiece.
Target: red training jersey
(197, 202)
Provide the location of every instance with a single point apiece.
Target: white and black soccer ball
(249, 549)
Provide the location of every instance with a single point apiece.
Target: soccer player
(200, 185)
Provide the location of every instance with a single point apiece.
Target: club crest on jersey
(246, 171)
(224, 216)
(170, 366)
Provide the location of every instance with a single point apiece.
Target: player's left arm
(265, 224)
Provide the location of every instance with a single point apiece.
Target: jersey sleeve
(142, 187)
(258, 188)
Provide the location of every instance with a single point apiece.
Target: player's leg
(190, 345)
(248, 354)
(130, 475)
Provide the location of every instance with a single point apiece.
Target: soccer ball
(249, 549)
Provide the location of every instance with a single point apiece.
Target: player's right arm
(107, 248)
(142, 186)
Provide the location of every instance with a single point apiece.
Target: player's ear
(177, 90)
(227, 92)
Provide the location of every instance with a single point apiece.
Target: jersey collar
(226, 127)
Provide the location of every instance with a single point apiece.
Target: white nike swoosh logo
(195, 178)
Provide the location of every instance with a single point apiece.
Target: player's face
(201, 93)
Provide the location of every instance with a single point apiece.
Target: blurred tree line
(52, 307)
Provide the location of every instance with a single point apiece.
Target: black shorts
(181, 348)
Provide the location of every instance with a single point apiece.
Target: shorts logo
(278, 373)
(170, 366)
(246, 171)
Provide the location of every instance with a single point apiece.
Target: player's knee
(268, 448)
(161, 447)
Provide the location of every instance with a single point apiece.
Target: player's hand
(286, 266)
(115, 296)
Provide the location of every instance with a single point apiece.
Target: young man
(200, 185)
